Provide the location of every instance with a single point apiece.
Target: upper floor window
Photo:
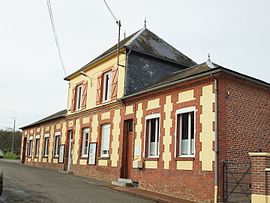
(56, 144)
(85, 141)
(107, 82)
(185, 132)
(152, 136)
(105, 140)
(79, 96)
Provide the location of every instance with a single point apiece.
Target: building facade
(157, 118)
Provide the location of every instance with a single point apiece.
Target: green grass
(10, 155)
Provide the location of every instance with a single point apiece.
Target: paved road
(28, 184)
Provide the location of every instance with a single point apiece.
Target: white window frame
(148, 155)
(103, 148)
(107, 86)
(182, 111)
(85, 143)
(57, 137)
(37, 149)
(78, 101)
(30, 146)
(46, 145)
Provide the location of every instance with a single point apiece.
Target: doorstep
(157, 197)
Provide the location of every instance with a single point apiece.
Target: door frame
(68, 154)
(127, 149)
(24, 150)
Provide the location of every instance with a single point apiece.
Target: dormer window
(107, 83)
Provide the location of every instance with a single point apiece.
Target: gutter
(216, 141)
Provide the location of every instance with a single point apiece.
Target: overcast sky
(235, 33)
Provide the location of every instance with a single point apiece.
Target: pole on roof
(118, 22)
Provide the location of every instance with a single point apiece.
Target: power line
(55, 35)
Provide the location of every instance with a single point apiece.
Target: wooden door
(127, 152)
(24, 150)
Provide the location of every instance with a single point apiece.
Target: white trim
(186, 110)
(46, 135)
(156, 115)
(57, 133)
(148, 117)
(109, 73)
(181, 111)
(31, 138)
(37, 137)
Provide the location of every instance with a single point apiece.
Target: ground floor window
(152, 136)
(56, 144)
(30, 145)
(46, 145)
(185, 132)
(85, 141)
(37, 147)
(105, 140)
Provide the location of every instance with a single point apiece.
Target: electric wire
(55, 35)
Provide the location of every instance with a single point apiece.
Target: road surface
(28, 184)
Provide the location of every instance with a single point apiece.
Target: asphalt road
(28, 184)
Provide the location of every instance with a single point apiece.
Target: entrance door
(68, 159)
(24, 150)
(127, 149)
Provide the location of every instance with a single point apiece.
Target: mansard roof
(146, 42)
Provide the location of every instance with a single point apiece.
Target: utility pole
(13, 135)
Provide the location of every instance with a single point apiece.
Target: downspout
(216, 140)
(127, 54)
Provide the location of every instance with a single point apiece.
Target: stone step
(122, 184)
(124, 180)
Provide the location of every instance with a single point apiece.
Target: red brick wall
(244, 120)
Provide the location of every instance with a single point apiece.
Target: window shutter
(84, 94)
(73, 99)
(114, 83)
(99, 92)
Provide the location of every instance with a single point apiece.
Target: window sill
(103, 158)
(151, 159)
(56, 156)
(185, 158)
(45, 156)
(83, 157)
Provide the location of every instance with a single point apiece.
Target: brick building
(157, 118)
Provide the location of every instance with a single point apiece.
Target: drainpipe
(216, 140)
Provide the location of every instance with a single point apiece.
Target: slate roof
(146, 42)
(193, 72)
(59, 114)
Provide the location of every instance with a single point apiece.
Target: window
(56, 144)
(85, 138)
(152, 136)
(105, 140)
(46, 145)
(107, 81)
(185, 132)
(30, 145)
(37, 146)
(78, 97)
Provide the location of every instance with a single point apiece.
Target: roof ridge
(134, 37)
